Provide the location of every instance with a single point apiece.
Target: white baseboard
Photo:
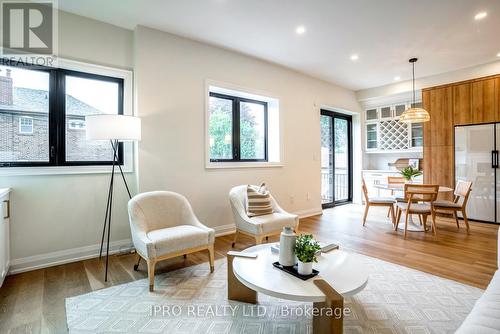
(224, 230)
(121, 246)
(309, 212)
(66, 256)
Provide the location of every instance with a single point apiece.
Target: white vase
(287, 246)
(305, 268)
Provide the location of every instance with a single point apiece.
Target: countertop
(4, 191)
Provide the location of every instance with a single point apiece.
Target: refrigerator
(476, 160)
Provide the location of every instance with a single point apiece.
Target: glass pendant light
(414, 114)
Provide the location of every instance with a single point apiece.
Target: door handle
(495, 159)
(8, 209)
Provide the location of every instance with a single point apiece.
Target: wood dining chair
(426, 195)
(376, 201)
(459, 203)
(394, 180)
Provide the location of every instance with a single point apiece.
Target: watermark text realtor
(29, 31)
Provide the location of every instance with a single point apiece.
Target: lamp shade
(113, 127)
(415, 115)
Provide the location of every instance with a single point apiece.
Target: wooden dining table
(399, 187)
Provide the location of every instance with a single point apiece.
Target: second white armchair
(258, 227)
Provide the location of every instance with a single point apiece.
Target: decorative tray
(293, 271)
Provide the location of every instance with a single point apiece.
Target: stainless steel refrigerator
(476, 160)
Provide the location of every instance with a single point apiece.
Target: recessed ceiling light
(498, 55)
(480, 16)
(354, 57)
(397, 78)
(300, 30)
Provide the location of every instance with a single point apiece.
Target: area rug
(396, 300)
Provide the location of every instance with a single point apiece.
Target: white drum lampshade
(113, 127)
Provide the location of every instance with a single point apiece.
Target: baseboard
(309, 212)
(121, 246)
(224, 230)
(66, 256)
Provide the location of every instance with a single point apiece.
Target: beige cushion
(415, 207)
(175, 239)
(446, 204)
(381, 200)
(273, 222)
(258, 201)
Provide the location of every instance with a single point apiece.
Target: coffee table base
(323, 323)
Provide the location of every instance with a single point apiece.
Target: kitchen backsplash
(380, 161)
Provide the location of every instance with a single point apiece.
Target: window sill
(60, 170)
(239, 165)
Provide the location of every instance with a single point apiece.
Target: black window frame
(236, 140)
(57, 115)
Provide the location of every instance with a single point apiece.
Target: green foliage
(220, 127)
(306, 248)
(409, 173)
(340, 133)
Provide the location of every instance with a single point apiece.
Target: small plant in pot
(409, 173)
(305, 250)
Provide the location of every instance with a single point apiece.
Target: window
(26, 125)
(238, 128)
(50, 105)
(76, 124)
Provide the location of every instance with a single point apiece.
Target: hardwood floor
(33, 302)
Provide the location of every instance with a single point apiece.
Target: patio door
(336, 158)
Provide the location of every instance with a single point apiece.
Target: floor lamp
(115, 129)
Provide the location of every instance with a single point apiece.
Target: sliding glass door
(336, 158)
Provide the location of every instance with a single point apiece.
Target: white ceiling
(385, 33)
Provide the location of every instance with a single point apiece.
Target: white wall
(52, 215)
(170, 75)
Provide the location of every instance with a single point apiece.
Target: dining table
(399, 188)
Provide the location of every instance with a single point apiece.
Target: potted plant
(409, 173)
(305, 250)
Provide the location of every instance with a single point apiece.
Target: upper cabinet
(485, 101)
(385, 133)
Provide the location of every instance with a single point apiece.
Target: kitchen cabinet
(485, 101)
(462, 104)
(5, 213)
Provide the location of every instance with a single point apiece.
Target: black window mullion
(236, 130)
(53, 118)
(61, 117)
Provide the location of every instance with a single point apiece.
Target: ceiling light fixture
(354, 57)
(397, 78)
(480, 16)
(498, 55)
(300, 30)
(414, 114)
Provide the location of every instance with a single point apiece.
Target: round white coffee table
(341, 270)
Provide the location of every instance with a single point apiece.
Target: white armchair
(258, 227)
(163, 226)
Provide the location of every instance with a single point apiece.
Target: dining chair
(376, 201)
(394, 180)
(459, 203)
(426, 195)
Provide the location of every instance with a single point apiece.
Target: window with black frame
(237, 129)
(42, 115)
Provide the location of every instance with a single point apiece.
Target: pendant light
(414, 114)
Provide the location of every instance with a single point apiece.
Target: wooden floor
(33, 302)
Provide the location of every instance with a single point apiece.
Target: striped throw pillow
(258, 201)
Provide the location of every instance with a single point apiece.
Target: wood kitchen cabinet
(462, 104)
(439, 103)
(485, 101)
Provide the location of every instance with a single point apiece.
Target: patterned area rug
(191, 300)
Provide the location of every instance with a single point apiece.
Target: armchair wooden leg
(136, 266)
(367, 207)
(398, 218)
(235, 238)
(393, 216)
(433, 216)
(151, 274)
(211, 258)
(425, 222)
